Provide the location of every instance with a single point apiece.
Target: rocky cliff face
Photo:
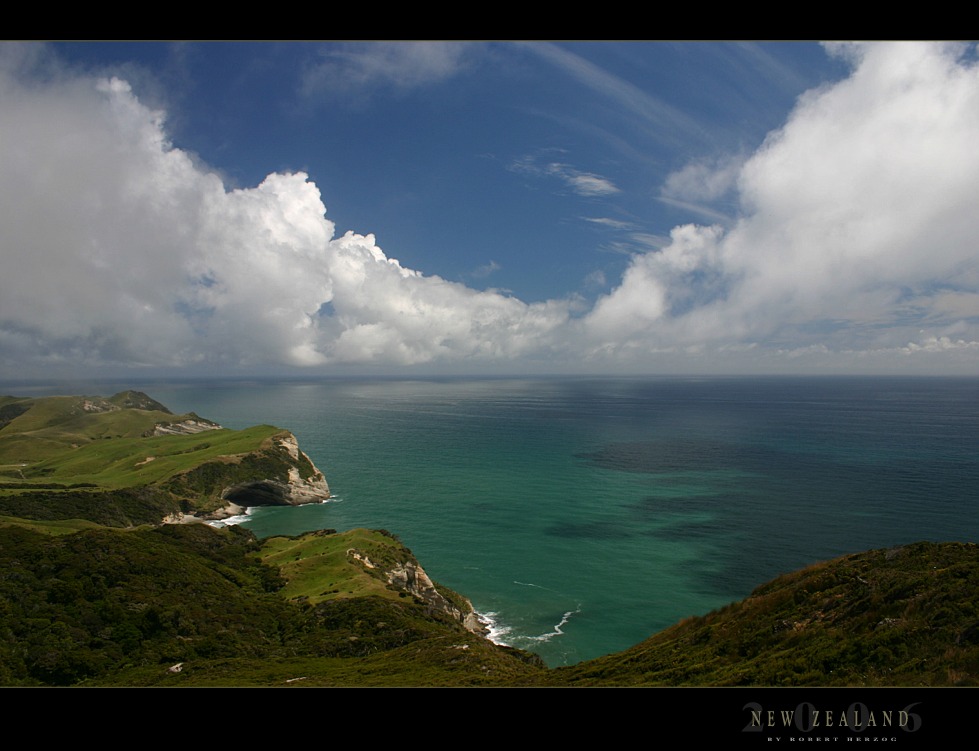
(412, 578)
(277, 474)
(189, 426)
(302, 483)
(408, 576)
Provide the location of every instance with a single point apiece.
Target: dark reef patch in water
(589, 530)
(678, 455)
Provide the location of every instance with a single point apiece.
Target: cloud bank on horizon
(852, 246)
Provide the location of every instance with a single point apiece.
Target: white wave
(242, 518)
(498, 632)
(557, 627)
(231, 520)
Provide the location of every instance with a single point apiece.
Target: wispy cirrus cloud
(481, 272)
(357, 66)
(708, 213)
(587, 184)
(667, 122)
(609, 222)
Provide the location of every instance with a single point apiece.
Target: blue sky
(488, 208)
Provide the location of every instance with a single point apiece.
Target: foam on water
(233, 520)
(496, 631)
(558, 627)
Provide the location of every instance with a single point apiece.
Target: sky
(344, 208)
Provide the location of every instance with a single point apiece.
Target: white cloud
(855, 247)
(586, 184)
(596, 279)
(481, 272)
(118, 248)
(939, 344)
(708, 213)
(609, 222)
(398, 65)
(703, 180)
(863, 203)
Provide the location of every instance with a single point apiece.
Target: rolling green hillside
(34, 429)
(127, 459)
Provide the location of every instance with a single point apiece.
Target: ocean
(582, 515)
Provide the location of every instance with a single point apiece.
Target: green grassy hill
(35, 429)
(317, 566)
(127, 459)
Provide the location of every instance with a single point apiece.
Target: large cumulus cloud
(857, 232)
(120, 248)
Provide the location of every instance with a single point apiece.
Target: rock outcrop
(408, 576)
(278, 473)
(189, 426)
(303, 482)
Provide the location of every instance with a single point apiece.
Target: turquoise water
(586, 514)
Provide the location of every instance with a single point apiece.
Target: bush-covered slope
(83, 605)
(906, 616)
(191, 605)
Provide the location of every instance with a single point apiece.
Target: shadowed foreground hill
(194, 606)
(188, 605)
(906, 616)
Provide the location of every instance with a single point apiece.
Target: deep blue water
(586, 514)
